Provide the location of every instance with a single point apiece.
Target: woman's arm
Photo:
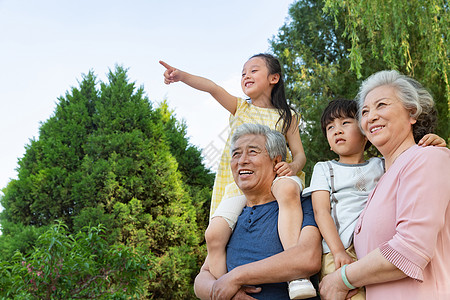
(421, 214)
(327, 227)
(371, 269)
(171, 75)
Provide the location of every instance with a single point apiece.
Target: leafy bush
(83, 266)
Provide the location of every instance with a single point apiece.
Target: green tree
(407, 35)
(106, 156)
(84, 266)
(315, 65)
(198, 179)
(323, 59)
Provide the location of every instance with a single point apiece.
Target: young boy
(339, 189)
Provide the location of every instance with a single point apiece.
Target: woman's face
(384, 119)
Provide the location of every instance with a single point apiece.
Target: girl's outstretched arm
(171, 75)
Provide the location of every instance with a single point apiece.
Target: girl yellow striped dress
(245, 113)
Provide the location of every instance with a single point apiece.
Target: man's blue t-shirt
(256, 237)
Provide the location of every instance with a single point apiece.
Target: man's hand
(242, 293)
(226, 288)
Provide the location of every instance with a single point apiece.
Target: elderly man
(256, 262)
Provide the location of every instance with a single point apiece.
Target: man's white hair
(275, 141)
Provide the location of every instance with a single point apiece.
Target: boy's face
(345, 138)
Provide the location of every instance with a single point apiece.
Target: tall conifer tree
(106, 156)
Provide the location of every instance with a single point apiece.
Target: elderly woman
(403, 235)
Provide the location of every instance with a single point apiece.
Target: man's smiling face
(251, 166)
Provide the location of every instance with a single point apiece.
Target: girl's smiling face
(256, 80)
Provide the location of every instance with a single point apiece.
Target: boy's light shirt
(352, 183)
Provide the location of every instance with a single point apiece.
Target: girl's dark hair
(278, 96)
(339, 109)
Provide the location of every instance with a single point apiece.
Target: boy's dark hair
(339, 108)
(278, 96)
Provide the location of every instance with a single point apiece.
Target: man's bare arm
(300, 261)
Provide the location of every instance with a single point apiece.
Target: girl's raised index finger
(167, 66)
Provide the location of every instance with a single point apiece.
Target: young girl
(262, 82)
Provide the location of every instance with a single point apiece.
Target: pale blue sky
(47, 45)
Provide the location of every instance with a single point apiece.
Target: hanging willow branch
(408, 35)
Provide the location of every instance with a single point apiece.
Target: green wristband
(344, 278)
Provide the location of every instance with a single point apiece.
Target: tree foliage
(328, 47)
(106, 156)
(313, 54)
(199, 180)
(411, 36)
(84, 266)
